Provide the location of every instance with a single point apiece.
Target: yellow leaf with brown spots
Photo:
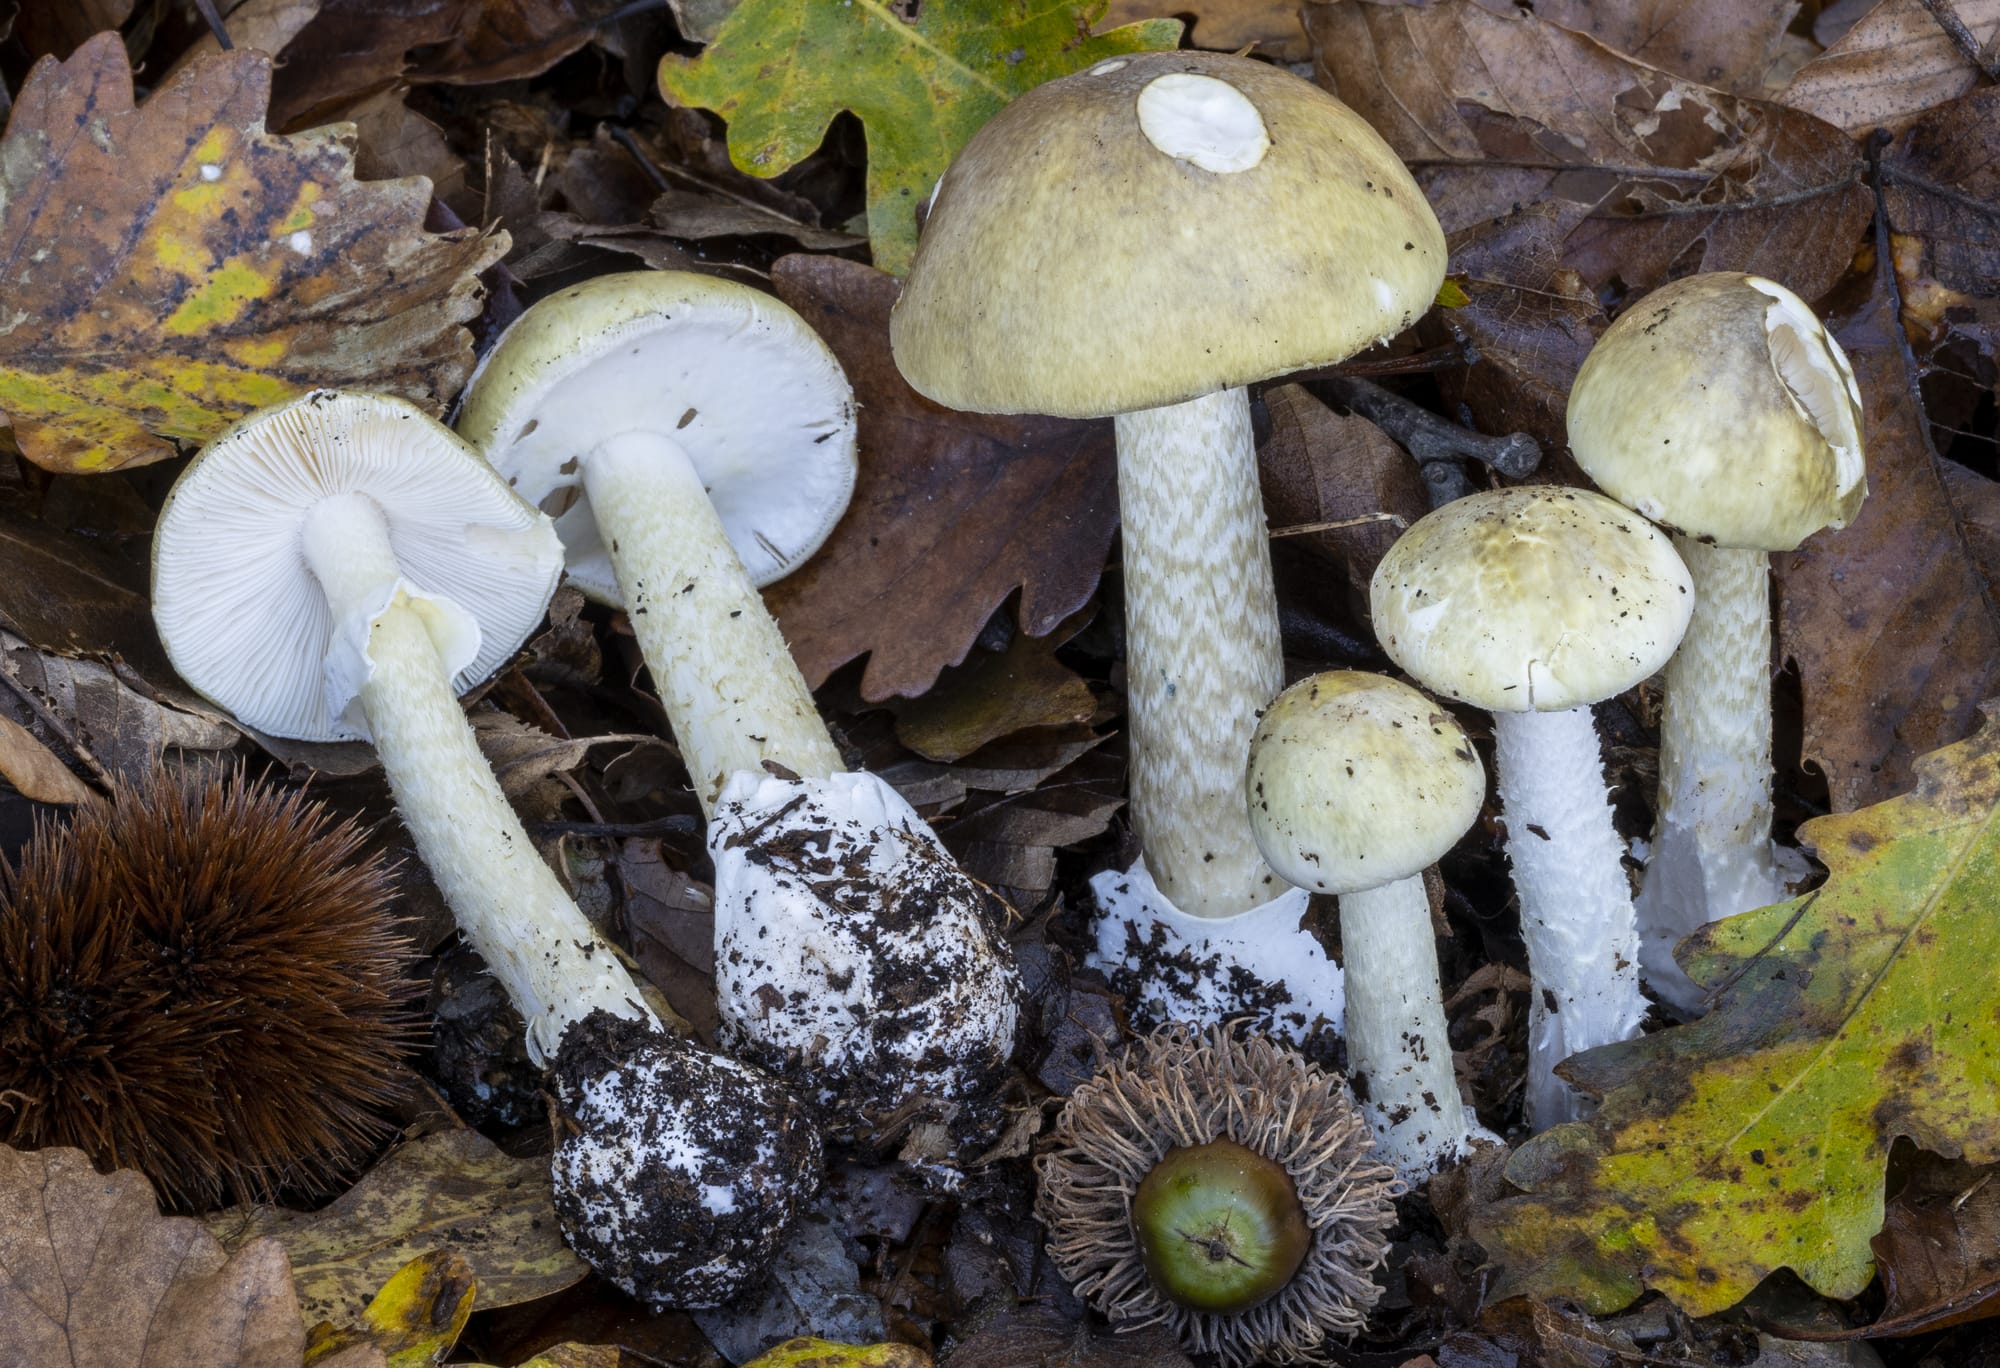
(166, 268)
(1755, 1138)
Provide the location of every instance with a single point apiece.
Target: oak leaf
(1755, 1138)
(779, 70)
(166, 268)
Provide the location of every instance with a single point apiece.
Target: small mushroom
(1142, 240)
(695, 439)
(1357, 784)
(1535, 603)
(340, 567)
(1719, 407)
(706, 436)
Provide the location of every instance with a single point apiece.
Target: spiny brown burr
(205, 983)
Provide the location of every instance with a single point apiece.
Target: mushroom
(1719, 407)
(1535, 603)
(340, 567)
(698, 439)
(1142, 240)
(1357, 784)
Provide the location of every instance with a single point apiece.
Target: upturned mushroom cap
(730, 375)
(1720, 407)
(1535, 599)
(1357, 780)
(244, 620)
(1157, 228)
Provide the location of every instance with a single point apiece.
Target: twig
(1301, 529)
(215, 25)
(69, 739)
(663, 174)
(1962, 37)
(1428, 437)
(658, 826)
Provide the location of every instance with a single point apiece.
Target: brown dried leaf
(1493, 110)
(95, 1277)
(1320, 466)
(1939, 1250)
(67, 596)
(1532, 319)
(59, 29)
(995, 694)
(171, 267)
(1894, 64)
(1941, 185)
(952, 513)
(126, 725)
(33, 769)
(1035, 1334)
(453, 1189)
(1725, 44)
(1271, 27)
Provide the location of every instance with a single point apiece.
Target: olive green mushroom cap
(1357, 780)
(1535, 599)
(1157, 228)
(1719, 406)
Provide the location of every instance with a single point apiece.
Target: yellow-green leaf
(1754, 1139)
(165, 269)
(415, 1319)
(819, 1353)
(779, 70)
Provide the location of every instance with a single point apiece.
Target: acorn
(1222, 1185)
(205, 983)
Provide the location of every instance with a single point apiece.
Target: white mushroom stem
(1396, 1038)
(1576, 903)
(1202, 651)
(543, 950)
(1711, 850)
(733, 693)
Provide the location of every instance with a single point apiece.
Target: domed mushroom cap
(1357, 780)
(1535, 599)
(731, 376)
(1157, 228)
(244, 620)
(1720, 407)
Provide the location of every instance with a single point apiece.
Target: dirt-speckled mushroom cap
(245, 621)
(1720, 407)
(1157, 228)
(730, 375)
(1534, 599)
(1357, 780)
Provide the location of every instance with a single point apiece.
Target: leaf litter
(963, 626)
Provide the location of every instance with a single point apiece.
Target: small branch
(1428, 437)
(62, 733)
(1962, 37)
(215, 24)
(1301, 529)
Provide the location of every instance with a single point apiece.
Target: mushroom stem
(1711, 852)
(731, 689)
(545, 953)
(1396, 1038)
(1576, 903)
(1202, 653)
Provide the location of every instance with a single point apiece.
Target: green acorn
(1222, 1185)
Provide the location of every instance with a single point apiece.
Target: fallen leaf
(414, 1320)
(1941, 186)
(1270, 28)
(1755, 1138)
(95, 1277)
(59, 29)
(523, 755)
(127, 726)
(1894, 64)
(33, 769)
(1895, 636)
(995, 694)
(171, 267)
(1494, 110)
(266, 25)
(354, 48)
(66, 596)
(453, 1190)
(1319, 466)
(779, 70)
(952, 512)
(1034, 1334)
(1724, 44)
(1532, 319)
(819, 1353)
(1939, 1251)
